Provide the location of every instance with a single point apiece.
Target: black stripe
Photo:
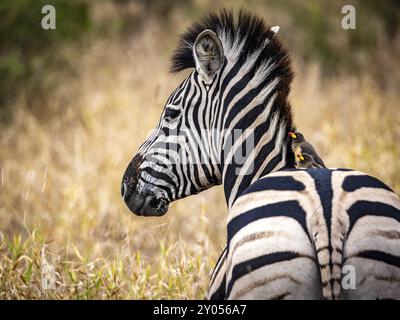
(186, 93)
(219, 294)
(290, 209)
(379, 256)
(323, 184)
(160, 176)
(218, 85)
(339, 250)
(209, 175)
(245, 100)
(269, 183)
(236, 88)
(322, 248)
(243, 122)
(196, 175)
(174, 169)
(166, 189)
(276, 183)
(352, 183)
(257, 162)
(231, 74)
(234, 167)
(281, 296)
(206, 106)
(324, 265)
(272, 164)
(365, 208)
(248, 266)
(186, 178)
(215, 99)
(183, 183)
(195, 104)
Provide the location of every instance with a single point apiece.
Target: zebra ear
(208, 54)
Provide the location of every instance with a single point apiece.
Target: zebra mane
(244, 37)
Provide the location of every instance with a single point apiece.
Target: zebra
(290, 232)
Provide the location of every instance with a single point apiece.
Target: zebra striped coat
(291, 233)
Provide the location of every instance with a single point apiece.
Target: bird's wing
(319, 161)
(313, 154)
(308, 148)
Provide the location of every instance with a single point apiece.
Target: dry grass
(352, 123)
(60, 179)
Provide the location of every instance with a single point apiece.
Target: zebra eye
(171, 114)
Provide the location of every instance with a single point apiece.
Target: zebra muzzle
(146, 204)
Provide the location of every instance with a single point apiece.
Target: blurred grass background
(76, 102)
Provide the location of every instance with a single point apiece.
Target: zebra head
(240, 80)
(175, 161)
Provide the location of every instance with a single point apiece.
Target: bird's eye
(171, 113)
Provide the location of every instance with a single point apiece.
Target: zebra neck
(252, 116)
(255, 153)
